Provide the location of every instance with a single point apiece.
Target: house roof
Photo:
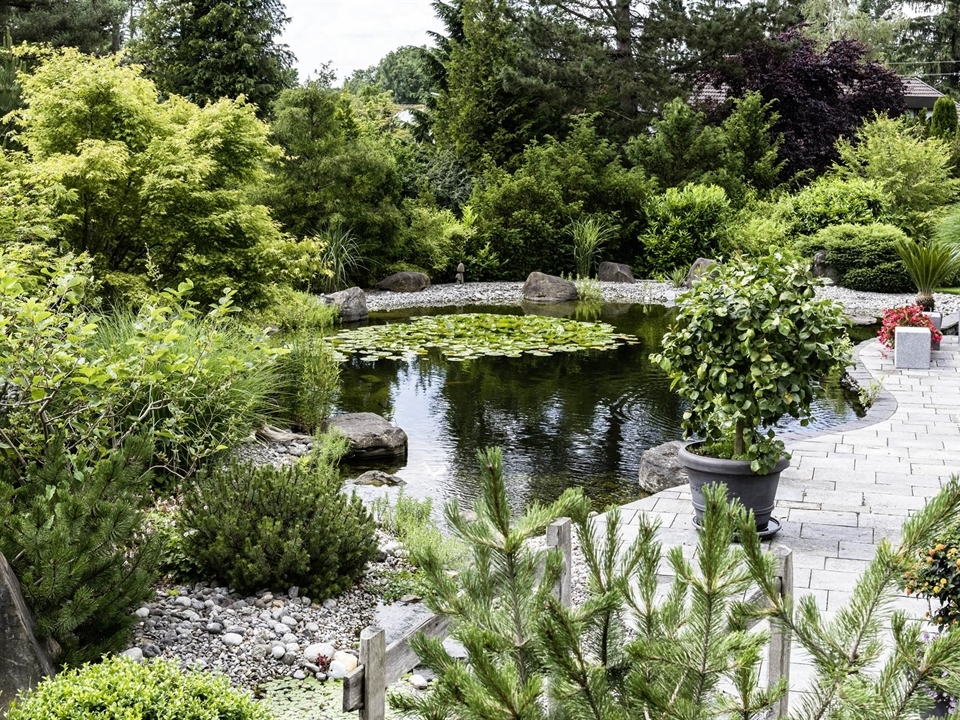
(916, 94)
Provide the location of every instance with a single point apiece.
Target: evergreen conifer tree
(638, 649)
(73, 535)
(943, 122)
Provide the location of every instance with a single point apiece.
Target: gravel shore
(860, 304)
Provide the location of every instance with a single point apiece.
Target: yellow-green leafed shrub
(120, 689)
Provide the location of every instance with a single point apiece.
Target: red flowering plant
(906, 316)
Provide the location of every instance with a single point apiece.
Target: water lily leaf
(467, 336)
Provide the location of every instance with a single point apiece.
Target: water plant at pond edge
(472, 335)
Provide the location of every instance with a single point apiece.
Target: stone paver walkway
(847, 489)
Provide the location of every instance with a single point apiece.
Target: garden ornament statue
(460, 269)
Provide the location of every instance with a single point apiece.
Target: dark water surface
(571, 419)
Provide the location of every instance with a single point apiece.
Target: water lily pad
(468, 336)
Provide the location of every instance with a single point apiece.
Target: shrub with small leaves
(907, 316)
(121, 688)
(254, 527)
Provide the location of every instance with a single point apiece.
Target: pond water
(571, 419)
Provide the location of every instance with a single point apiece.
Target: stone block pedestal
(911, 348)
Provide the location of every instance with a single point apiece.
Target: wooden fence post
(560, 536)
(780, 639)
(373, 657)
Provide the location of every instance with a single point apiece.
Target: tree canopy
(143, 186)
(205, 50)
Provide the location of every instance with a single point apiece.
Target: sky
(354, 34)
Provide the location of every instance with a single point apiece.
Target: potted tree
(748, 346)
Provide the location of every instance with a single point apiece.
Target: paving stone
(814, 531)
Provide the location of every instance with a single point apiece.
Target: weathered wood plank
(560, 536)
(780, 638)
(373, 656)
(399, 658)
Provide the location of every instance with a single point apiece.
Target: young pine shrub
(122, 688)
(255, 527)
(72, 532)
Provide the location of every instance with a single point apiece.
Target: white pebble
(232, 639)
(277, 652)
(337, 671)
(419, 682)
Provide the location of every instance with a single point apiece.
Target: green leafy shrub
(255, 527)
(291, 311)
(121, 688)
(683, 225)
(912, 172)
(435, 241)
(864, 256)
(748, 345)
(300, 264)
(202, 381)
(830, 201)
(72, 533)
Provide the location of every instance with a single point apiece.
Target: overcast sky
(354, 34)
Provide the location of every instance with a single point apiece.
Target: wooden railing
(381, 665)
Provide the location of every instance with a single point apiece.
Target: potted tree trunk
(748, 346)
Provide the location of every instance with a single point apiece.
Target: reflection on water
(572, 419)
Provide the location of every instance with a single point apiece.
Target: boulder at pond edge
(614, 272)
(543, 288)
(351, 302)
(404, 282)
(660, 467)
(24, 661)
(371, 437)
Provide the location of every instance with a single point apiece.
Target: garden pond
(564, 419)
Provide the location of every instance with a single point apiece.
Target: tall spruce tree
(91, 26)
(205, 50)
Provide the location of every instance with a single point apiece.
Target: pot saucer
(772, 528)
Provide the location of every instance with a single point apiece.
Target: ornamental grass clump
(749, 344)
(906, 316)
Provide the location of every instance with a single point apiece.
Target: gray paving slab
(848, 489)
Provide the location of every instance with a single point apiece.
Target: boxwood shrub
(864, 256)
(121, 688)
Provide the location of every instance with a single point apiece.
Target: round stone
(142, 612)
(288, 621)
(312, 652)
(214, 628)
(278, 651)
(232, 639)
(288, 638)
(419, 682)
(133, 653)
(337, 671)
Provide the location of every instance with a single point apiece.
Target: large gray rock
(821, 267)
(24, 661)
(351, 302)
(543, 288)
(371, 437)
(404, 282)
(660, 467)
(701, 267)
(614, 272)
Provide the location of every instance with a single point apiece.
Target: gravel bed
(862, 304)
(269, 635)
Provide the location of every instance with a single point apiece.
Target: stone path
(846, 490)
